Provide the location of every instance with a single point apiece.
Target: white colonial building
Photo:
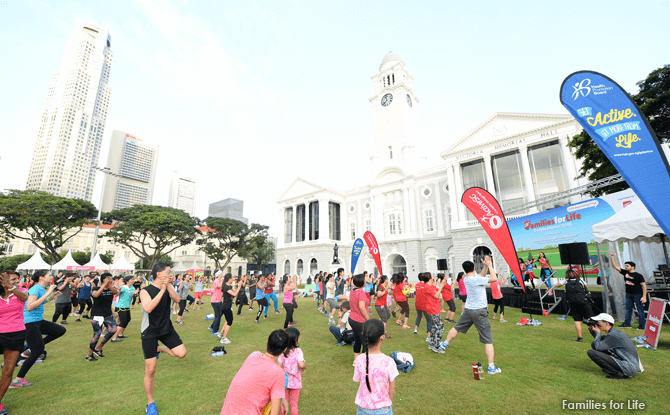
(415, 213)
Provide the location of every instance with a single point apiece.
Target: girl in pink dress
(376, 373)
(293, 363)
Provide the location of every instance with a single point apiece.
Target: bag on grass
(219, 349)
(403, 361)
(348, 336)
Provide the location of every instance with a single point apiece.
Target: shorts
(580, 311)
(452, 305)
(404, 307)
(480, 318)
(463, 297)
(228, 314)
(12, 341)
(198, 295)
(170, 340)
(124, 317)
(333, 304)
(263, 302)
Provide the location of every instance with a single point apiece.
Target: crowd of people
(270, 382)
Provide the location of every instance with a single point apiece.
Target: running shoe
(265, 317)
(251, 309)
(225, 341)
(220, 335)
(341, 343)
(210, 328)
(86, 316)
(186, 309)
(428, 338)
(277, 312)
(216, 333)
(116, 340)
(444, 345)
(3, 411)
(494, 370)
(20, 384)
(25, 354)
(393, 314)
(387, 336)
(494, 316)
(91, 358)
(199, 308)
(293, 323)
(98, 353)
(257, 322)
(151, 409)
(415, 331)
(180, 323)
(64, 323)
(77, 320)
(579, 340)
(502, 320)
(406, 327)
(123, 336)
(239, 314)
(398, 322)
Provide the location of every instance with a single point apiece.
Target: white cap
(218, 273)
(604, 317)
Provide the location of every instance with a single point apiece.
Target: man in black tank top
(157, 326)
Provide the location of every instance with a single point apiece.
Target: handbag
(348, 336)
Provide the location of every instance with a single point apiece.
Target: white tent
(122, 264)
(97, 263)
(68, 261)
(35, 262)
(180, 267)
(643, 244)
(194, 265)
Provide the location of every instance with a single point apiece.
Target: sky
(245, 96)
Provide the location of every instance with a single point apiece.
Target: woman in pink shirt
(360, 304)
(376, 373)
(12, 328)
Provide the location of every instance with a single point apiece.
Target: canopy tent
(195, 266)
(180, 267)
(643, 243)
(122, 264)
(66, 262)
(35, 262)
(98, 263)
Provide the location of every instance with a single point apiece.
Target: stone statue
(335, 249)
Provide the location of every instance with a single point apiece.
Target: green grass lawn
(541, 366)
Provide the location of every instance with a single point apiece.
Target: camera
(591, 322)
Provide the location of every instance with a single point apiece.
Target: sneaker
(331, 322)
(123, 336)
(98, 353)
(340, 344)
(617, 377)
(151, 409)
(216, 333)
(277, 312)
(77, 320)
(579, 340)
(186, 309)
(387, 336)
(20, 384)
(25, 354)
(494, 316)
(441, 351)
(393, 314)
(292, 324)
(3, 411)
(239, 314)
(406, 327)
(225, 341)
(200, 308)
(174, 312)
(640, 327)
(428, 338)
(64, 323)
(86, 316)
(502, 320)
(494, 370)
(251, 309)
(444, 345)
(180, 323)
(415, 331)
(116, 340)
(625, 326)
(91, 358)
(210, 328)
(220, 335)
(265, 317)
(454, 322)
(257, 322)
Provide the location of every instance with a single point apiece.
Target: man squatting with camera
(611, 349)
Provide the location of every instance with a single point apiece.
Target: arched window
(313, 267)
(299, 267)
(399, 265)
(287, 267)
(478, 254)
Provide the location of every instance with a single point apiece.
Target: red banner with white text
(486, 209)
(373, 247)
(652, 330)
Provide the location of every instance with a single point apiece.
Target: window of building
(313, 266)
(473, 176)
(298, 268)
(508, 178)
(314, 221)
(287, 266)
(428, 220)
(352, 230)
(334, 220)
(391, 152)
(300, 223)
(368, 225)
(184, 252)
(478, 254)
(547, 171)
(288, 225)
(392, 224)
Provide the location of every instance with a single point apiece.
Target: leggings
(271, 296)
(289, 314)
(34, 332)
(124, 317)
(499, 302)
(182, 307)
(358, 334)
(85, 303)
(135, 297)
(429, 323)
(239, 309)
(404, 307)
(217, 316)
(62, 308)
(262, 305)
(292, 396)
(108, 322)
(437, 329)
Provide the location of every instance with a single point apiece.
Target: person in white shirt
(342, 325)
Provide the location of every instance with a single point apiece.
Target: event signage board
(566, 224)
(486, 209)
(373, 247)
(80, 268)
(310, 290)
(621, 130)
(356, 253)
(652, 330)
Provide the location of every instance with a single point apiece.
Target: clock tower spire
(394, 115)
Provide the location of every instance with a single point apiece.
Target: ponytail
(367, 362)
(373, 330)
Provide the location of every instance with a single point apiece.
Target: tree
(11, 262)
(259, 249)
(49, 221)
(85, 257)
(165, 258)
(226, 238)
(653, 98)
(213, 252)
(151, 231)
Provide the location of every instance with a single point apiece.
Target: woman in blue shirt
(36, 326)
(126, 294)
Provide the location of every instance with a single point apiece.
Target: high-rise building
(228, 208)
(73, 121)
(133, 161)
(182, 194)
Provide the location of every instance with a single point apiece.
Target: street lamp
(107, 171)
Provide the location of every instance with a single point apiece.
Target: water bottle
(475, 371)
(480, 369)
(217, 354)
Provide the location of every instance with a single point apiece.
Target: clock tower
(394, 115)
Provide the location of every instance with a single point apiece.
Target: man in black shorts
(157, 326)
(575, 293)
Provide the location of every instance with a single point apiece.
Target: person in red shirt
(401, 299)
(420, 306)
(380, 304)
(448, 297)
(431, 300)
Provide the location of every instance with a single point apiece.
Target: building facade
(416, 213)
(182, 195)
(74, 116)
(228, 208)
(133, 162)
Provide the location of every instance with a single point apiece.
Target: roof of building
(391, 56)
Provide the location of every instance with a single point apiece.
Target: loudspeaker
(441, 264)
(574, 254)
(208, 273)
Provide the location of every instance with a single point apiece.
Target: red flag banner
(654, 321)
(373, 247)
(486, 209)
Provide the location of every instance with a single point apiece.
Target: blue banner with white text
(355, 253)
(623, 133)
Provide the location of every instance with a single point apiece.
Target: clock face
(386, 100)
(409, 101)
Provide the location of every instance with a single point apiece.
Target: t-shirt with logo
(270, 288)
(397, 292)
(102, 306)
(633, 281)
(11, 314)
(381, 299)
(37, 314)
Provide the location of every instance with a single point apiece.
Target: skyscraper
(73, 121)
(134, 161)
(182, 194)
(228, 208)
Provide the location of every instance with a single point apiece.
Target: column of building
(527, 178)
